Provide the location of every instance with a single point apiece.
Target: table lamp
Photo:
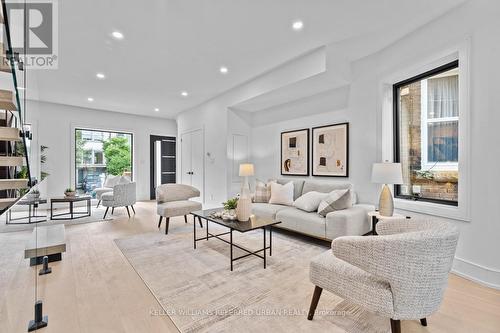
(244, 208)
(386, 173)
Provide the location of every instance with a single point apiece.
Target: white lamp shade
(246, 170)
(387, 173)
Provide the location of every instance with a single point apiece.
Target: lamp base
(386, 203)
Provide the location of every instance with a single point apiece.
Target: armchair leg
(199, 220)
(98, 203)
(423, 321)
(185, 219)
(314, 302)
(159, 222)
(133, 209)
(128, 211)
(105, 213)
(112, 210)
(167, 221)
(395, 326)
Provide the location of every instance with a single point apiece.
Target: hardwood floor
(94, 288)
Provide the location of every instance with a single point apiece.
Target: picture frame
(295, 153)
(330, 150)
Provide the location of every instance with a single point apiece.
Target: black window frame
(396, 131)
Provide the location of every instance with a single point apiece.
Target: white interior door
(186, 159)
(197, 158)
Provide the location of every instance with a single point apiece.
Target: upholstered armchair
(173, 200)
(108, 185)
(400, 274)
(123, 195)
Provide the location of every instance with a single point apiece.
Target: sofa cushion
(324, 187)
(310, 201)
(266, 210)
(281, 194)
(262, 192)
(298, 220)
(336, 200)
(177, 208)
(298, 184)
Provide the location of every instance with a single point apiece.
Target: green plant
(22, 173)
(43, 160)
(117, 153)
(69, 189)
(230, 204)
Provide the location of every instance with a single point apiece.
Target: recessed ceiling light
(223, 70)
(298, 25)
(100, 76)
(117, 35)
(156, 109)
(184, 93)
(90, 99)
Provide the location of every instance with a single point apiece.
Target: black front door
(162, 162)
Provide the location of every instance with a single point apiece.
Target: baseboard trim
(486, 276)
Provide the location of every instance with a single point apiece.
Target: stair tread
(7, 100)
(11, 160)
(9, 134)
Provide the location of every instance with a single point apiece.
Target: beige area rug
(97, 216)
(199, 292)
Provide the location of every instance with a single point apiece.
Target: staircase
(14, 163)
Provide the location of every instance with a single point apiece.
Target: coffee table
(71, 215)
(253, 223)
(32, 217)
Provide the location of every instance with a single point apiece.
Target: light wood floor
(94, 288)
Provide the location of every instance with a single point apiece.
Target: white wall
(53, 127)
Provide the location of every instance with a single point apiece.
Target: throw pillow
(111, 181)
(336, 200)
(310, 201)
(124, 180)
(281, 194)
(262, 192)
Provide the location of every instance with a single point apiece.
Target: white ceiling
(176, 45)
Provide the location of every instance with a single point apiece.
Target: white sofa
(353, 221)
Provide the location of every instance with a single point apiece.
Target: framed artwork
(295, 153)
(330, 150)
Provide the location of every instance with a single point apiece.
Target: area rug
(200, 294)
(97, 216)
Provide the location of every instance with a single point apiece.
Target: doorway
(192, 160)
(162, 162)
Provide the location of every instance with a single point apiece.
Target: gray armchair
(400, 274)
(123, 195)
(173, 200)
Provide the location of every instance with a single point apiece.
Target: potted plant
(34, 194)
(69, 192)
(230, 208)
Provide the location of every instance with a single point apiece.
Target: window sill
(435, 209)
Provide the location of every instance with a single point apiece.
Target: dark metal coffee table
(253, 223)
(32, 217)
(71, 215)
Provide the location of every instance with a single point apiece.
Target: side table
(375, 216)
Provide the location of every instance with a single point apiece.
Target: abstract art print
(295, 153)
(330, 155)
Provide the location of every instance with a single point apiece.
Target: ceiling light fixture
(298, 25)
(117, 35)
(156, 109)
(184, 94)
(21, 88)
(223, 70)
(90, 99)
(100, 76)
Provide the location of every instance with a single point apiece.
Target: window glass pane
(427, 113)
(442, 97)
(442, 141)
(98, 154)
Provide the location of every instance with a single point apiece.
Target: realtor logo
(34, 32)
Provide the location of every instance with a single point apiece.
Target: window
(98, 154)
(426, 120)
